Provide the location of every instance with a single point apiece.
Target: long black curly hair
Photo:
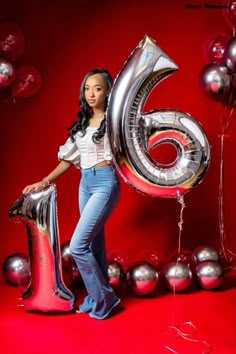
(85, 113)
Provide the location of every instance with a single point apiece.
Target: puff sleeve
(69, 151)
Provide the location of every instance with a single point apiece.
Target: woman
(87, 148)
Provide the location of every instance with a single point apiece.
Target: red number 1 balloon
(47, 291)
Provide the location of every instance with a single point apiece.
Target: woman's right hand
(35, 187)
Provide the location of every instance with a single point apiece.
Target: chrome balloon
(206, 253)
(230, 55)
(115, 274)
(69, 268)
(38, 212)
(209, 274)
(133, 134)
(177, 276)
(7, 73)
(215, 81)
(66, 256)
(142, 278)
(16, 269)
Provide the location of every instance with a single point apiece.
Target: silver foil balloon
(16, 269)
(69, 267)
(215, 81)
(38, 212)
(183, 255)
(209, 274)
(115, 274)
(7, 73)
(177, 276)
(206, 253)
(133, 133)
(142, 278)
(230, 55)
(66, 256)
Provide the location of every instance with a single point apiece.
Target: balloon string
(180, 199)
(186, 336)
(229, 111)
(224, 252)
(180, 332)
(180, 224)
(221, 197)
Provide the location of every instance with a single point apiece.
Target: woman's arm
(61, 168)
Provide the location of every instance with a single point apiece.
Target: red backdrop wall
(65, 39)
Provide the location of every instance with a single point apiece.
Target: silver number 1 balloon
(38, 212)
(133, 133)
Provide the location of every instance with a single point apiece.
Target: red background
(65, 39)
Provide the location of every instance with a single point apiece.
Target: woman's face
(95, 91)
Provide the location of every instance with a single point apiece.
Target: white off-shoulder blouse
(83, 152)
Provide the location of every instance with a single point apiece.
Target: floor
(195, 321)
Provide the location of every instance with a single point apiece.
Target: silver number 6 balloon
(133, 133)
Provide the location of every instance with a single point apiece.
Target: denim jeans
(99, 192)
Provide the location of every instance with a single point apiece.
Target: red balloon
(12, 42)
(216, 48)
(7, 73)
(230, 12)
(27, 83)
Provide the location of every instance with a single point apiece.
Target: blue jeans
(99, 192)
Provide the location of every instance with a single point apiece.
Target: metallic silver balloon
(183, 255)
(115, 274)
(142, 278)
(66, 256)
(177, 276)
(70, 270)
(209, 274)
(7, 73)
(206, 253)
(38, 212)
(16, 269)
(133, 134)
(215, 81)
(230, 55)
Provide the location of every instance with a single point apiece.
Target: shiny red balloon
(230, 12)
(27, 83)
(7, 73)
(216, 48)
(12, 42)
